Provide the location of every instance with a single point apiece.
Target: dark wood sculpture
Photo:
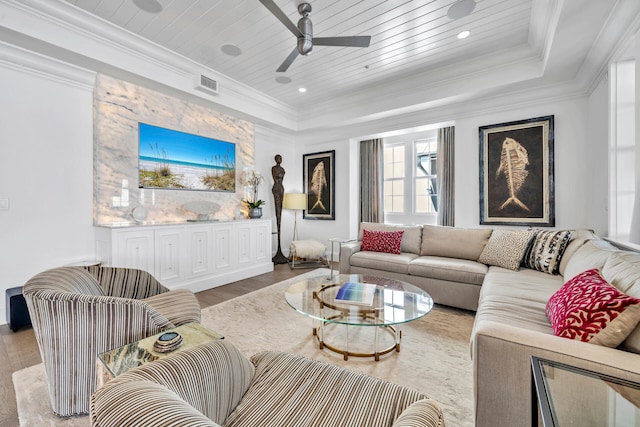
(277, 172)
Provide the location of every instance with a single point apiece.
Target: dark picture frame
(318, 176)
(517, 173)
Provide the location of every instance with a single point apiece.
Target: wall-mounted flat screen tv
(176, 160)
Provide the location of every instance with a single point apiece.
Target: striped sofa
(78, 312)
(215, 385)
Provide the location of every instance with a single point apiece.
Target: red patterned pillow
(589, 309)
(381, 241)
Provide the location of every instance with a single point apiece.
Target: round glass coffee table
(354, 300)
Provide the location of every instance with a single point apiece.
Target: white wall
(570, 153)
(576, 151)
(597, 159)
(46, 169)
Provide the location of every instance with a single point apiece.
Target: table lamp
(296, 202)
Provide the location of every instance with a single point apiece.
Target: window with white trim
(410, 179)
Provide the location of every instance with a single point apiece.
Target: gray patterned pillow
(506, 248)
(546, 250)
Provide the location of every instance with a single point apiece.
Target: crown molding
(18, 59)
(106, 48)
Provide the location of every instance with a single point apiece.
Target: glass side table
(571, 396)
(119, 360)
(339, 241)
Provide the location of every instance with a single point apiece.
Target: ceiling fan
(304, 33)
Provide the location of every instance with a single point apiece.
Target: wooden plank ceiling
(408, 37)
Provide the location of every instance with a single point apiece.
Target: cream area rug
(434, 357)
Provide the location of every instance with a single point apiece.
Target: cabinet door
(245, 246)
(169, 254)
(135, 249)
(262, 241)
(222, 242)
(200, 254)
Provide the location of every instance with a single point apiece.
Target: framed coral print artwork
(318, 175)
(516, 173)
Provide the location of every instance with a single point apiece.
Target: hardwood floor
(19, 350)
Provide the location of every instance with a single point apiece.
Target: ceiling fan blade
(353, 41)
(287, 62)
(278, 13)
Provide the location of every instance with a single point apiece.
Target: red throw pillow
(381, 241)
(589, 309)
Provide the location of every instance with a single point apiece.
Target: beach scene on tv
(177, 160)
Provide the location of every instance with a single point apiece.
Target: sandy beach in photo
(188, 176)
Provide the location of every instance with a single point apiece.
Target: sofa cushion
(578, 239)
(451, 269)
(381, 261)
(381, 241)
(593, 254)
(546, 249)
(622, 270)
(451, 242)
(517, 298)
(587, 308)
(506, 248)
(410, 238)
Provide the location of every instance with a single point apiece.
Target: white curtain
(446, 169)
(371, 181)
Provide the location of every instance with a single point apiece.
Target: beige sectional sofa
(441, 260)
(511, 324)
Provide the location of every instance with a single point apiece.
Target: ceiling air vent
(206, 84)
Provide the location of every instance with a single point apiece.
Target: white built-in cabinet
(197, 256)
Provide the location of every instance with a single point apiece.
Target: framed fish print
(318, 176)
(516, 173)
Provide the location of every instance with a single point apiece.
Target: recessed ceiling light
(151, 6)
(282, 79)
(302, 89)
(461, 8)
(464, 34)
(231, 50)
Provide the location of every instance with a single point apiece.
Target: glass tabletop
(390, 301)
(571, 396)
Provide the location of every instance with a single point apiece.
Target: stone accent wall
(118, 107)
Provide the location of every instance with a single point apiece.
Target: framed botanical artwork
(318, 175)
(516, 173)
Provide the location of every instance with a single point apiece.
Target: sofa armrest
(425, 412)
(179, 306)
(147, 403)
(502, 367)
(346, 250)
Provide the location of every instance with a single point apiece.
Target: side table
(339, 241)
(571, 396)
(119, 360)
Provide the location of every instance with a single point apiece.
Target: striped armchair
(215, 385)
(78, 312)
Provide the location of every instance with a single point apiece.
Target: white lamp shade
(295, 201)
